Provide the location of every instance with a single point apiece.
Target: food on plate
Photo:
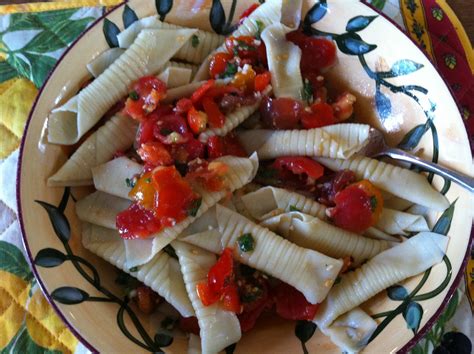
(238, 188)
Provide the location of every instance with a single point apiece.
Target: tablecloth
(33, 37)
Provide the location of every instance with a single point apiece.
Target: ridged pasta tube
(195, 50)
(174, 76)
(218, 328)
(234, 119)
(398, 263)
(117, 134)
(162, 273)
(98, 65)
(310, 232)
(399, 181)
(310, 272)
(396, 222)
(146, 56)
(335, 141)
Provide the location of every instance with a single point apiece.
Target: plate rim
(404, 349)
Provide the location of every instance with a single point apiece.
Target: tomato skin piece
(250, 52)
(262, 81)
(221, 272)
(218, 64)
(197, 120)
(183, 106)
(281, 113)
(292, 305)
(215, 117)
(218, 146)
(149, 91)
(136, 222)
(300, 165)
(172, 129)
(206, 295)
(197, 96)
(321, 115)
(248, 12)
(231, 300)
(155, 154)
(189, 325)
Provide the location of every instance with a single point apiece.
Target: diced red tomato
(281, 113)
(154, 153)
(344, 106)
(195, 149)
(247, 12)
(292, 305)
(147, 126)
(197, 120)
(143, 193)
(136, 222)
(329, 186)
(202, 90)
(222, 271)
(299, 166)
(220, 146)
(245, 81)
(231, 300)
(189, 325)
(321, 114)
(147, 300)
(172, 129)
(218, 64)
(218, 91)
(206, 295)
(215, 117)
(173, 197)
(243, 46)
(262, 81)
(358, 207)
(183, 106)
(248, 319)
(146, 94)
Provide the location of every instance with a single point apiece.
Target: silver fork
(378, 147)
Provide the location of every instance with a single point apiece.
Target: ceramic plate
(398, 90)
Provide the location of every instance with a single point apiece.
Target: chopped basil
(168, 323)
(133, 96)
(148, 180)
(166, 131)
(194, 40)
(170, 251)
(373, 203)
(293, 208)
(246, 242)
(128, 182)
(134, 269)
(230, 70)
(307, 91)
(194, 207)
(244, 45)
(260, 28)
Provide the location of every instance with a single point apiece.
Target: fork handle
(459, 178)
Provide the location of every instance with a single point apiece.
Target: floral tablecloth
(33, 37)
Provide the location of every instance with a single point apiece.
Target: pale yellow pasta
(291, 13)
(218, 328)
(337, 141)
(175, 76)
(98, 65)
(115, 177)
(162, 273)
(178, 64)
(396, 222)
(310, 232)
(146, 56)
(399, 181)
(310, 272)
(195, 50)
(398, 263)
(117, 134)
(233, 119)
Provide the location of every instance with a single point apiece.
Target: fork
(377, 147)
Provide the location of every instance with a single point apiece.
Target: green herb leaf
(134, 269)
(307, 91)
(293, 208)
(230, 70)
(194, 207)
(148, 180)
(194, 40)
(246, 242)
(134, 95)
(373, 203)
(260, 28)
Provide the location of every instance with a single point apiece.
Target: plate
(409, 102)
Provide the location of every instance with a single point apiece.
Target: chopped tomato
(147, 300)
(218, 64)
(262, 81)
(344, 106)
(358, 207)
(209, 175)
(173, 197)
(145, 96)
(147, 126)
(143, 193)
(136, 222)
(321, 114)
(218, 91)
(222, 271)
(189, 325)
(206, 295)
(195, 149)
(281, 113)
(243, 46)
(215, 117)
(292, 305)
(299, 165)
(218, 146)
(197, 120)
(247, 12)
(329, 186)
(248, 319)
(245, 80)
(202, 90)
(231, 300)
(154, 153)
(183, 106)
(172, 129)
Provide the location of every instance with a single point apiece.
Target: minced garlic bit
(328, 283)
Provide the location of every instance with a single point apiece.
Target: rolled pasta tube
(396, 222)
(117, 134)
(162, 273)
(376, 234)
(234, 119)
(310, 232)
(351, 332)
(335, 141)
(111, 177)
(398, 263)
(146, 56)
(310, 272)
(175, 76)
(399, 181)
(98, 65)
(195, 50)
(267, 14)
(218, 328)
(393, 202)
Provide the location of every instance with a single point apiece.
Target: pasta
(142, 58)
(310, 232)
(218, 328)
(174, 76)
(117, 134)
(396, 222)
(337, 141)
(396, 180)
(98, 65)
(162, 273)
(310, 272)
(387, 268)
